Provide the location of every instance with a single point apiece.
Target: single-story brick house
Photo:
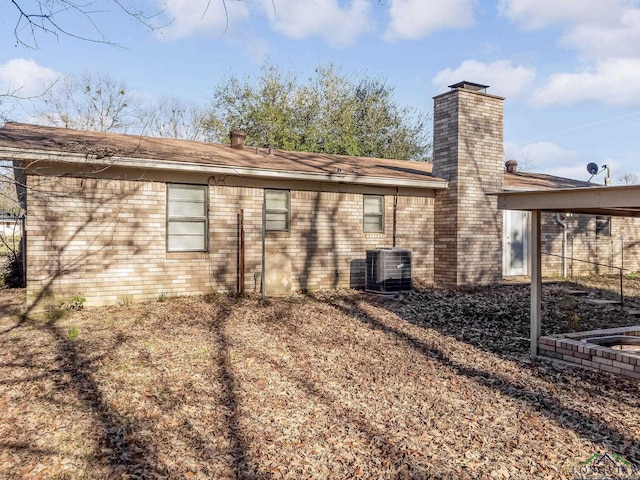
(112, 215)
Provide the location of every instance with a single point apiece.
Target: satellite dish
(592, 168)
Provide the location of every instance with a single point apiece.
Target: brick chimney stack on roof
(237, 139)
(468, 151)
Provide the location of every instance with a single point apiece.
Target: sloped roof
(99, 145)
(538, 181)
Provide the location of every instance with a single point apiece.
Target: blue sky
(569, 69)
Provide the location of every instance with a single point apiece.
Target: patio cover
(623, 201)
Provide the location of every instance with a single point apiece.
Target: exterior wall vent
(388, 270)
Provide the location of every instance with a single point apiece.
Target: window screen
(186, 218)
(373, 213)
(276, 210)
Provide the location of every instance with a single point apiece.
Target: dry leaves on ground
(431, 384)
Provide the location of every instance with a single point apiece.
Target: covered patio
(622, 201)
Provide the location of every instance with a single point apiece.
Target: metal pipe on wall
(563, 224)
(395, 216)
(622, 252)
(264, 254)
(23, 248)
(240, 272)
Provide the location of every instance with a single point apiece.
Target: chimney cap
(474, 87)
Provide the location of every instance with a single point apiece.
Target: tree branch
(45, 21)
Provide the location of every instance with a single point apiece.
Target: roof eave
(194, 167)
(616, 201)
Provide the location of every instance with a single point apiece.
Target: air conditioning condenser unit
(388, 270)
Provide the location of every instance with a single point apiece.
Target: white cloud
(551, 159)
(252, 47)
(546, 157)
(503, 78)
(198, 18)
(26, 78)
(328, 19)
(613, 82)
(603, 41)
(595, 29)
(605, 34)
(332, 20)
(414, 19)
(536, 14)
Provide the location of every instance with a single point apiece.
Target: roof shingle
(102, 145)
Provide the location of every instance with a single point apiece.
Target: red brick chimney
(237, 139)
(512, 166)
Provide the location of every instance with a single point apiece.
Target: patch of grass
(55, 313)
(76, 302)
(575, 321)
(298, 299)
(74, 332)
(125, 300)
(162, 297)
(569, 301)
(203, 352)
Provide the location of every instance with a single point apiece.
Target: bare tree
(70, 18)
(81, 19)
(7, 105)
(173, 118)
(629, 179)
(11, 267)
(96, 103)
(13, 100)
(8, 195)
(91, 103)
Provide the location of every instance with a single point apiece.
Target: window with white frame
(373, 218)
(187, 218)
(276, 210)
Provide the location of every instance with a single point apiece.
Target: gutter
(168, 165)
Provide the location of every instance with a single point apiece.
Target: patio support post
(536, 280)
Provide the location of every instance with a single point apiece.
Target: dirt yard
(431, 384)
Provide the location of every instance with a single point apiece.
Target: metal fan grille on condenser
(388, 270)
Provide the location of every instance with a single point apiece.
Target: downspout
(23, 246)
(395, 216)
(240, 271)
(563, 224)
(264, 249)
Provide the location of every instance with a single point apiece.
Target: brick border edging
(570, 348)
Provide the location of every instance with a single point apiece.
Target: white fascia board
(164, 165)
(627, 197)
